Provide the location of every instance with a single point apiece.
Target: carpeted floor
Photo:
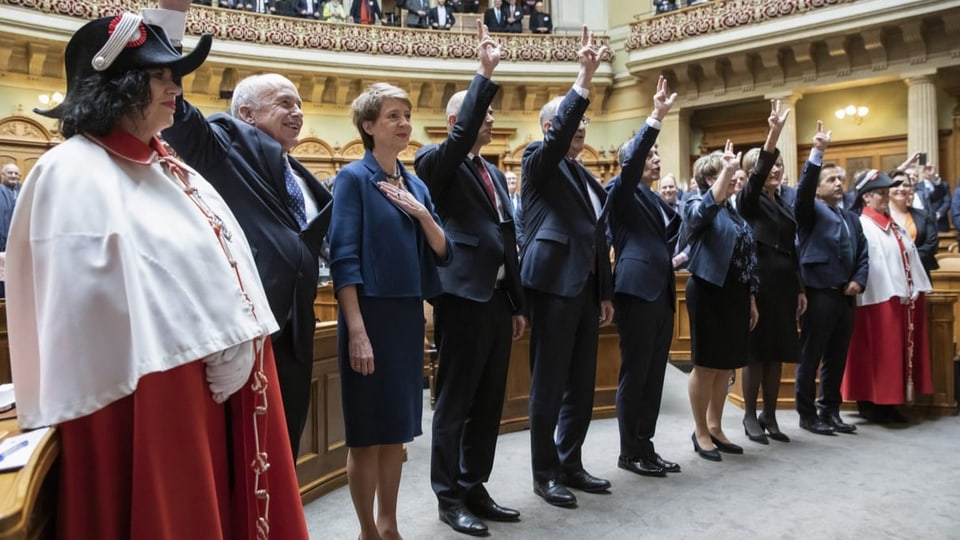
(880, 483)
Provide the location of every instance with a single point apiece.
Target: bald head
(10, 174)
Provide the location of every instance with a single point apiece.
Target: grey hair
(250, 91)
(454, 104)
(548, 111)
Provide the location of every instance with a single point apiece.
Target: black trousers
(474, 340)
(646, 330)
(295, 377)
(563, 363)
(824, 338)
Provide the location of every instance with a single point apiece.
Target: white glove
(229, 370)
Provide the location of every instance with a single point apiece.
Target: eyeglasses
(585, 121)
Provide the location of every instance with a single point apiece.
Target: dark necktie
(845, 244)
(294, 196)
(487, 182)
(581, 180)
(651, 205)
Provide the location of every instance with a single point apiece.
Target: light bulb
(862, 111)
(840, 114)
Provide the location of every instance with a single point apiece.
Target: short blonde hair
(749, 160)
(707, 166)
(366, 107)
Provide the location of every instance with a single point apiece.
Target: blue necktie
(295, 194)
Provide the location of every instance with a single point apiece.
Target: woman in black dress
(781, 299)
(720, 296)
(385, 245)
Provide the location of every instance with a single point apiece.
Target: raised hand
(589, 55)
(488, 50)
(731, 161)
(661, 100)
(777, 118)
(821, 140)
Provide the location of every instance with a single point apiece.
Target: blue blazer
(712, 236)
(563, 240)
(641, 241)
(818, 238)
(375, 245)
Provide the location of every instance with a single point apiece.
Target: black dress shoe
(555, 493)
(728, 448)
(872, 412)
(668, 466)
(712, 455)
(585, 481)
(894, 414)
(641, 466)
(463, 521)
(485, 507)
(833, 420)
(755, 437)
(814, 424)
(772, 429)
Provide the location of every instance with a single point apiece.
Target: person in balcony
(721, 296)
(310, 9)
(494, 17)
(512, 17)
(888, 361)
(540, 22)
(781, 300)
(333, 11)
(418, 13)
(440, 17)
(365, 11)
(135, 264)
(386, 243)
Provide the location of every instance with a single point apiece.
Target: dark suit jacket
(789, 195)
(937, 200)
(375, 245)
(563, 241)
(538, 20)
(413, 19)
(246, 166)
(517, 25)
(928, 238)
(490, 19)
(375, 12)
(712, 235)
(641, 240)
(434, 19)
(481, 243)
(818, 238)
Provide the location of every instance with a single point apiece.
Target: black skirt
(719, 323)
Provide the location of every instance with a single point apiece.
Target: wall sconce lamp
(854, 112)
(50, 100)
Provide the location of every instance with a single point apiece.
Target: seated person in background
(938, 194)
(540, 22)
(334, 11)
(440, 17)
(310, 9)
(418, 13)
(365, 11)
(512, 17)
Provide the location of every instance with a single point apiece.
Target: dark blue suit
(246, 166)
(565, 270)
(473, 317)
(828, 322)
(644, 295)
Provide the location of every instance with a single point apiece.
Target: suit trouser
(294, 378)
(825, 333)
(474, 353)
(563, 364)
(646, 330)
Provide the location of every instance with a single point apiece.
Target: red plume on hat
(117, 44)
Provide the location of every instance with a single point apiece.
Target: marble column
(569, 16)
(673, 145)
(922, 116)
(788, 137)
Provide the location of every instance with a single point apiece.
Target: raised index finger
(585, 38)
(481, 30)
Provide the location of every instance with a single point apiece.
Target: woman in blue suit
(385, 245)
(720, 296)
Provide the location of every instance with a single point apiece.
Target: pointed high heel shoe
(773, 433)
(712, 455)
(757, 438)
(727, 448)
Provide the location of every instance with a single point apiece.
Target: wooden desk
(28, 496)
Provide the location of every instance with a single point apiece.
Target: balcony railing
(318, 35)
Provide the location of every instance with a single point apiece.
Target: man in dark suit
(441, 17)
(282, 208)
(494, 18)
(833, 265)
(418, 13)
(480, 311)
(565, 269)
(938, 195)
(540, 22)
(642, 226)
(512, 17)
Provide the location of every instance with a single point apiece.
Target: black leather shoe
(712, 455)
(755, 437)
(463, 521)
(894, 414)
(814, 424)
(728, 448)
(585, 481)
(668, 466)
(555, 493)
(833, 420)
(772, 429)
(641, 466)
(872, 412)
(485, 507)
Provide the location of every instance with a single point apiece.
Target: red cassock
(167, 462)
(877, 358)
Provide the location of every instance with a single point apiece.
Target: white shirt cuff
(816, 157)
(173, 22)
(653, 122)
(584, 93)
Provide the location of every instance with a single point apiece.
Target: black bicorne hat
(116, 44)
